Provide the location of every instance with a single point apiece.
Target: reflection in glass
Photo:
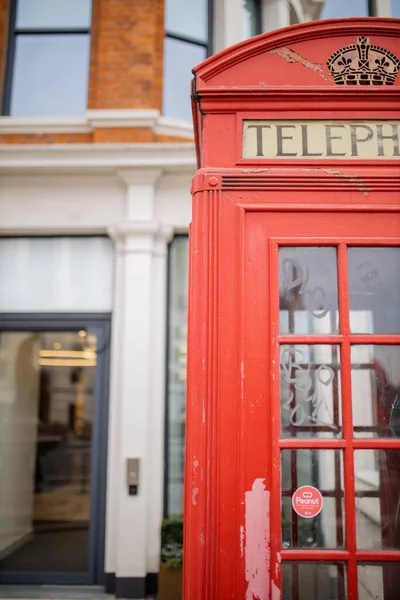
(379, 581)
(46, 415)
(187, 18)
(179, 59)
(308, 295)
(323, 469)
(337, 9)
(375, 385)
(313, 581)
(56, 274)
(250, 19)
(53, 14)
(50, 76)
(310, 391)
(377, 483)
(374, 290)
(177, 340)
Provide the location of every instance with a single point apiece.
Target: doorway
(334, 323)
(53, 423)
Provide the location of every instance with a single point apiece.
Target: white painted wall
(141, 209)
(19, 382)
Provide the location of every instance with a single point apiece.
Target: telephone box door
(327, 309)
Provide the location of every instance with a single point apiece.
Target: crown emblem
(363, 64)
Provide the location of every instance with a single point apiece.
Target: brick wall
(126, 68)
(127, 54)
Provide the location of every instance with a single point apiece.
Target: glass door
(50, 400)
(335, 331)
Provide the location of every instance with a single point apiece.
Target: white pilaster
(228, 23)
(383, 8)
(138, 382)
(140, 184)
(275, 14)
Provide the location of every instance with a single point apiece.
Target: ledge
(107, 157)
(43, 125)
(174, 127)
(98, 119)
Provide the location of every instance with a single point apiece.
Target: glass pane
(187, 18)
(310, 391)
(396, 9)
(177, 334)
(308, 296)
(46, 416)
(249, 22)
(336, 9)
(65, 274)
(53, 14)
(374, 290)
(50, 75)
(377, 481)
(179, 60)
(323, 470)
(379, 582)
(313, 581)
(375, 385)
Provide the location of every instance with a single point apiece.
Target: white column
(228, 23)
(275, 14)
(137, 394)
(383, 8)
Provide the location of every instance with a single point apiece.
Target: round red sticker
(307, 501)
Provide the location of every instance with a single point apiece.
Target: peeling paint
(257, 539)
(194, 496)
(242, 369)
(255, 170)
(350, 177)
(195, 464)
(242, 536)
(204, 415)
(291, 56)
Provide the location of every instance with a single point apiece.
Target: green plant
(172, 543)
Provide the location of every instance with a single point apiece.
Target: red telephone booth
(293, 416)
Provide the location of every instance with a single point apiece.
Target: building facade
(96, 161)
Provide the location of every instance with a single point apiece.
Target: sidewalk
(55, 592)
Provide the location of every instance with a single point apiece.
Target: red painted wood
(242, 211)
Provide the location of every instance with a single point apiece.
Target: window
(335, 9)
(187, 43)
(251, 18)
(396, 9)
(48, 58)
(56, 274)
(176, 388)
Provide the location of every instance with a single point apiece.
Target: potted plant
(170, 576)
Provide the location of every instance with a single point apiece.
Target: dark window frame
(258, 17)
(189, 40)
(13, 32)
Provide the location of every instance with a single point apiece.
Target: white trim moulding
(44, 125)
(98, 119)
(107, 157)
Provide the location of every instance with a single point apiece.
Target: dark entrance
(53, 416)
